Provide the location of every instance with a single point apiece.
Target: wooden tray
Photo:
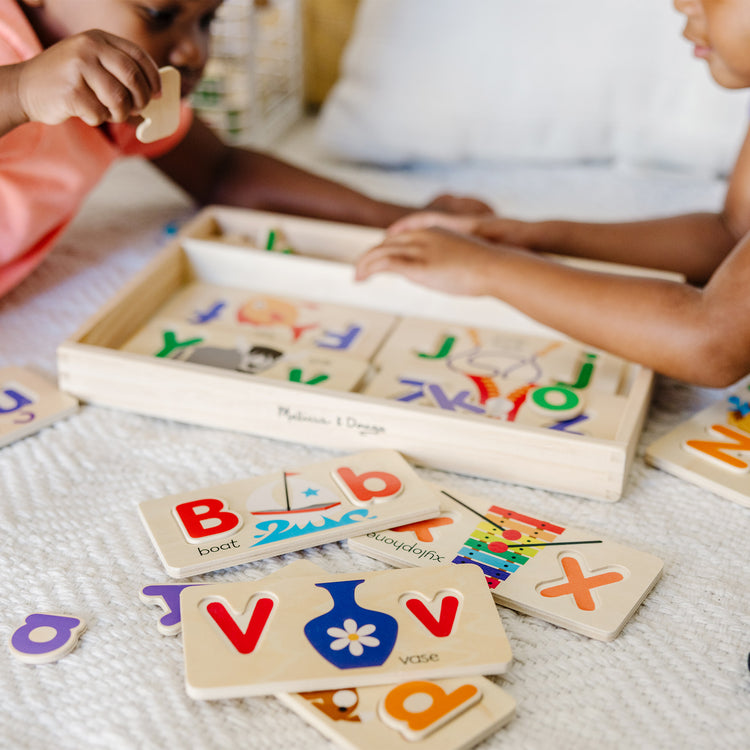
(211, 249)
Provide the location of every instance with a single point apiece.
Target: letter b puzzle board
(250, 519)
(289, 346)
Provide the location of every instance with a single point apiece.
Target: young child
(73, 76)
(698, 332)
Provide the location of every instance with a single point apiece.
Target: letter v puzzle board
(485, 431)
(329, 632)
(443, 714)
(250, 519)
(711, 449)
(570, 577)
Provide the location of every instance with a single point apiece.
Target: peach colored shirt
(46, 171)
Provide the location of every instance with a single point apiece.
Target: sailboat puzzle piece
(330, 632)
(570, 577)
(251, 519)
(711, 449)
(28, 403)
(161, 116)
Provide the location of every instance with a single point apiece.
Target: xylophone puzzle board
(216, 527)
(570, 577)
(28, 403)
(330, 632)
(249, 352)
(711, 449)
(284, 319)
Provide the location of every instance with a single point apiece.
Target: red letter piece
(354, 486)
(206, 519)
(441, 627)
(246, 640)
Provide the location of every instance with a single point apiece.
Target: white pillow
(536, 80)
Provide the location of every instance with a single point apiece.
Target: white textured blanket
(71, 541)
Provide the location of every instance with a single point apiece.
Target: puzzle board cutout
(712, 449)
(28, 403)
(251, 519)
(284, 320)
(570, 577)
(329, 632)
(248, 353)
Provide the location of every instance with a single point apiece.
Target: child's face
(720, 31)
(173, 32)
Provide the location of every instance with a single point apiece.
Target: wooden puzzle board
(354, 717)
(249, 352)
(580, 439)
(443, 714)
(29, 402)
(711, 449)
(211, 528)
(574, 578)
(299, 642)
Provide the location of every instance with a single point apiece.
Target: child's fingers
(116, 100)
(88, 106)
(124, 86)
(138, 68)
(390, 256)
(431, 219)
(414, 222)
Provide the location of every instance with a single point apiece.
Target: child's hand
(463, 224)
(96, 76)
(458, 204)
(486, 226)
(436, 258)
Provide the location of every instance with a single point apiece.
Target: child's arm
(698, 335)
(214, 172)
(95, 76)
(692, 244)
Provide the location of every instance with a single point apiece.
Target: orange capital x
(422, 528)
(579, 585)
